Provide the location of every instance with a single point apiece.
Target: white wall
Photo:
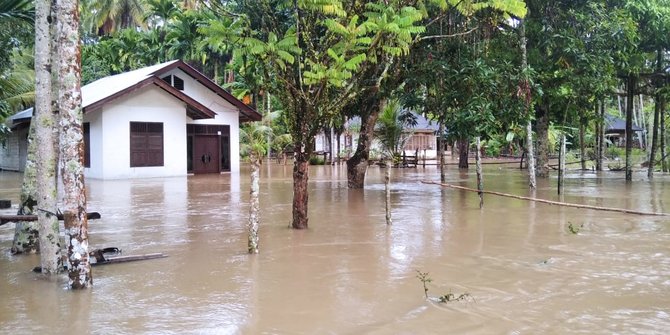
(150, 104)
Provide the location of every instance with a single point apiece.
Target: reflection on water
(350, 273)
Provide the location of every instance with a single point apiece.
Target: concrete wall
(110, 135)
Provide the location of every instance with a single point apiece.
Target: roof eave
(247, 113)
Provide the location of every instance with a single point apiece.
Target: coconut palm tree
(254, 145)
(103, 17)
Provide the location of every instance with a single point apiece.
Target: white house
(163, 120)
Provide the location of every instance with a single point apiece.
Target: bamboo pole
(556, 203)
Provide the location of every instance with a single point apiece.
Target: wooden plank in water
(123, 259)
(14, 218)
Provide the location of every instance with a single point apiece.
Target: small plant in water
(423, 277)
(449, 297)
(573, 229)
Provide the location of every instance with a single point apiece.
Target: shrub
(316, 161)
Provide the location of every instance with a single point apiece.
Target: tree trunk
(601, 136)
(357, 165)
(657, 116)
(561, 165)
(630, 87)
(664, 164)
(463, 147)
(26, 236)
(387, 189)
(440, 153)
(46, 134)
(530, 150)
(254, 207)
(480, 181)
(338, 133)
(542, 142)
(582, 145)
(300, 194)
(72, 146)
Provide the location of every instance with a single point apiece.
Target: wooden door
(206, 154)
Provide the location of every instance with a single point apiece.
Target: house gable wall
(112, 141)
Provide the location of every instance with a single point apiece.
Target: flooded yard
(350, 273)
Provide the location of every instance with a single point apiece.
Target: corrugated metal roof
(108, 86)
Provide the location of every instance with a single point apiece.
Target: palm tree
(17, 90)
(254, 145)
(390, 132)
(17, 10)
(103, 17)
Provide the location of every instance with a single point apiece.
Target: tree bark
(387, 189)
(357, 165)
(72, 146)
(440, 153)
(480, 181)
(582, 145)
(300, 194)
(664, 164)
(600, 125)
(463, 152)
(254, 206)
(561, 165)
(657, 115)
(525, 89)
(46, 134)
(26, 233)
(542, 142)
(629, 126)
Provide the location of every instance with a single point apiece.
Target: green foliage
(17, 10)
(392, 128)
(254, 138)
(314, 160)
(573, 229)
(17, 89)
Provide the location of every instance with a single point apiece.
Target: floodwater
(350, 273)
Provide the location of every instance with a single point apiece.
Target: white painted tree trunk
(254, 206)
(530, 154)
(72, 145)
(45, 136)
(26, 232)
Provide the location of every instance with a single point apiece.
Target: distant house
(615, 131)
(422, 137)
(163, 120)
(14, 147)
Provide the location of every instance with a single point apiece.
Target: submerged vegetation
(446, 298)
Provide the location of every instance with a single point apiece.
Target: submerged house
(163, 120)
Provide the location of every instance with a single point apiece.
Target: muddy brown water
(349, 273)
